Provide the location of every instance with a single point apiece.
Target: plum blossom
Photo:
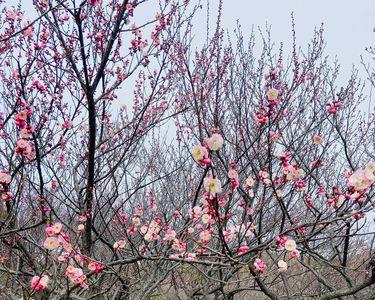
(215, 142)
(249, 182)
(361, 179)
(234, 178)
(292, 172)
(212, 185)
(243, 250)
(119, 245)
(199, 153)
(95, 266)
(290, 245)
(272, 94)
(281, 240)
(205, 236)
(282, 265)
(191, 230)
(206, 218)
(191, 256)
(370, 167)
(39, 283)
(95, 2)
(51, 243)
(178, 245)
(259, 265)
(57, 228)
(170, 235)
(49, 231)
(80, 227)
(5, 178)
(274, 136)
(76, 275)
(295, 254)
(67, 124)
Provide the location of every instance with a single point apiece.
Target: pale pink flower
(119, 245)
(76, 275)
(370, 167)
(290, 245)
(215, 142)
(65, 243)
(95, 266)
(206, 218)
(5, 178)
(143, 229)
(205, 236)
(51, 243)
(179, 245)
(199, 153)
(170, 235)
(361, 179)
(274, 136)
(80, 227)
(212, 185)
(250, 182)
(57, 228)
(233, 174)
(191, 256)
(282, 265)
(197, 210)
(272, 94)
(39, 283)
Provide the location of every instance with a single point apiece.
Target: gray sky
(348, 23)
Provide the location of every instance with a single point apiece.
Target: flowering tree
(265, 190)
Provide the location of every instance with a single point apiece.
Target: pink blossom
(243, 250)
(95, 2)
(290, 245)
(95, 267)
(191, 256)
(199, 152)
(76, 275)
(119, 245)
(272, 94)
(282, 265)
(361, 179)
(49, 231)
(57, 228)
(295, 254)
(5, 178)
(212, 185)
(215, 142)
(67, 124)
(39, 283)
(51, 243)
(259, 265)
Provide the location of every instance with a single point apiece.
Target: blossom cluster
(5, 180)
(25, 145)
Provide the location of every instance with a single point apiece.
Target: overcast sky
(348, 23)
